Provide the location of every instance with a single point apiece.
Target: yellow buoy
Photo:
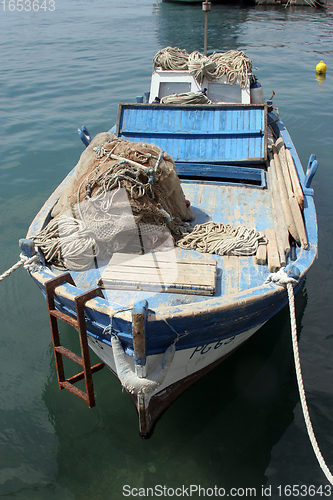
(321, 67)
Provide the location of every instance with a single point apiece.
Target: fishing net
(122, 196)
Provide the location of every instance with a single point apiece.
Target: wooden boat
(160, 319)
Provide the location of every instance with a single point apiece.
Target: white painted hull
(187, 366)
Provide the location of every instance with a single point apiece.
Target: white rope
(308, 423)
(75, 245)
(171, 58)
(222, 239)
(232, 64)
(282, 278)
(27, 262)
(186, 98)
(200, 66)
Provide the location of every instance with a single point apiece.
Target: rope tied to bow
(29, 263)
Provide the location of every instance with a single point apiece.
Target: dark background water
(240, 426)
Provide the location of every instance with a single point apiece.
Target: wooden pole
(299, 221)
(294, 206)
(284, 167)
(273, 258)
(261, 255)
(285, 199)
(295, 180)
(279, 219)
(139, 317)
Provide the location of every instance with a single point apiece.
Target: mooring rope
(282, 278)
(27, 262)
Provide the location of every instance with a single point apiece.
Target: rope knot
(285, 276)
(30, 263)
(100, 151)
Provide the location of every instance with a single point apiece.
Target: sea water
(239, 431)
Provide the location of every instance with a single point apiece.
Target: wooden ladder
(80, 325)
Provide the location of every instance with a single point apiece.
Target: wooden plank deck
(161, 272)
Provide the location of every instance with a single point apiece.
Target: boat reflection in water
(182, 25)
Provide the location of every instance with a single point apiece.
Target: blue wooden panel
(205, 133)
(222, 173)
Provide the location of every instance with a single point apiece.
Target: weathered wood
(168, 256)
(139, 316)
(284, 166)
(281, 229)
(295, 208)
(159, 287)
(284, 198)
(161, 271)
(298, 218)
(133, 266)
(261, 255)
(273, 258)
(295, 179)
(149, 275)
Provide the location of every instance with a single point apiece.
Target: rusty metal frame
(80, 325)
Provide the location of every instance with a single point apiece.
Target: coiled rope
(186, 98)
(171, 58)
(233, 64)
(200, 66)
(28, 263)
(67, 240)
(282, 278)
(222, 239)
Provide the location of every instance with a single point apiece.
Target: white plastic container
(257, 93)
